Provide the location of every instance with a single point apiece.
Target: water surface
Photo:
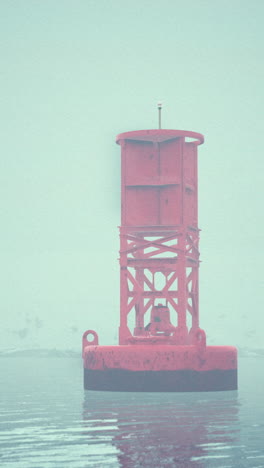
(48, 420)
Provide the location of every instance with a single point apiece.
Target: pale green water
(48, 420)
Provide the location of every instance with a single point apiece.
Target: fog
(73, 75)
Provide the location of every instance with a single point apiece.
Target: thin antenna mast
(159, 108)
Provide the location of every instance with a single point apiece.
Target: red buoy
(161, 345)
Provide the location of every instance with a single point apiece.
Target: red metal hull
(161, 345)
(160, 381)
(163, 368)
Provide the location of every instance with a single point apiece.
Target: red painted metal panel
(190, 185)
(170, 160)
(142, 163)
(141, 206)
(169, 205)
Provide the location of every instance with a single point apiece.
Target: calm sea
(48, 420)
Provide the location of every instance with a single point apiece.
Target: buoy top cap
(160, 135)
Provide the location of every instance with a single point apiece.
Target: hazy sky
(74, 73)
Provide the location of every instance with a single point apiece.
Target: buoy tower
(161, 345)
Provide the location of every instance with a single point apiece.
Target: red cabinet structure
(161, 346)
(159, 233)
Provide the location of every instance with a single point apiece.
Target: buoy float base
(165, 368)
(160, 381)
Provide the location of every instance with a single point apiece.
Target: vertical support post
(182, 290)
(124, 332)
(139, 328)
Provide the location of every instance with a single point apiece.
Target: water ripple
(42, 426)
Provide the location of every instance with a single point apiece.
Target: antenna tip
(159, 105)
